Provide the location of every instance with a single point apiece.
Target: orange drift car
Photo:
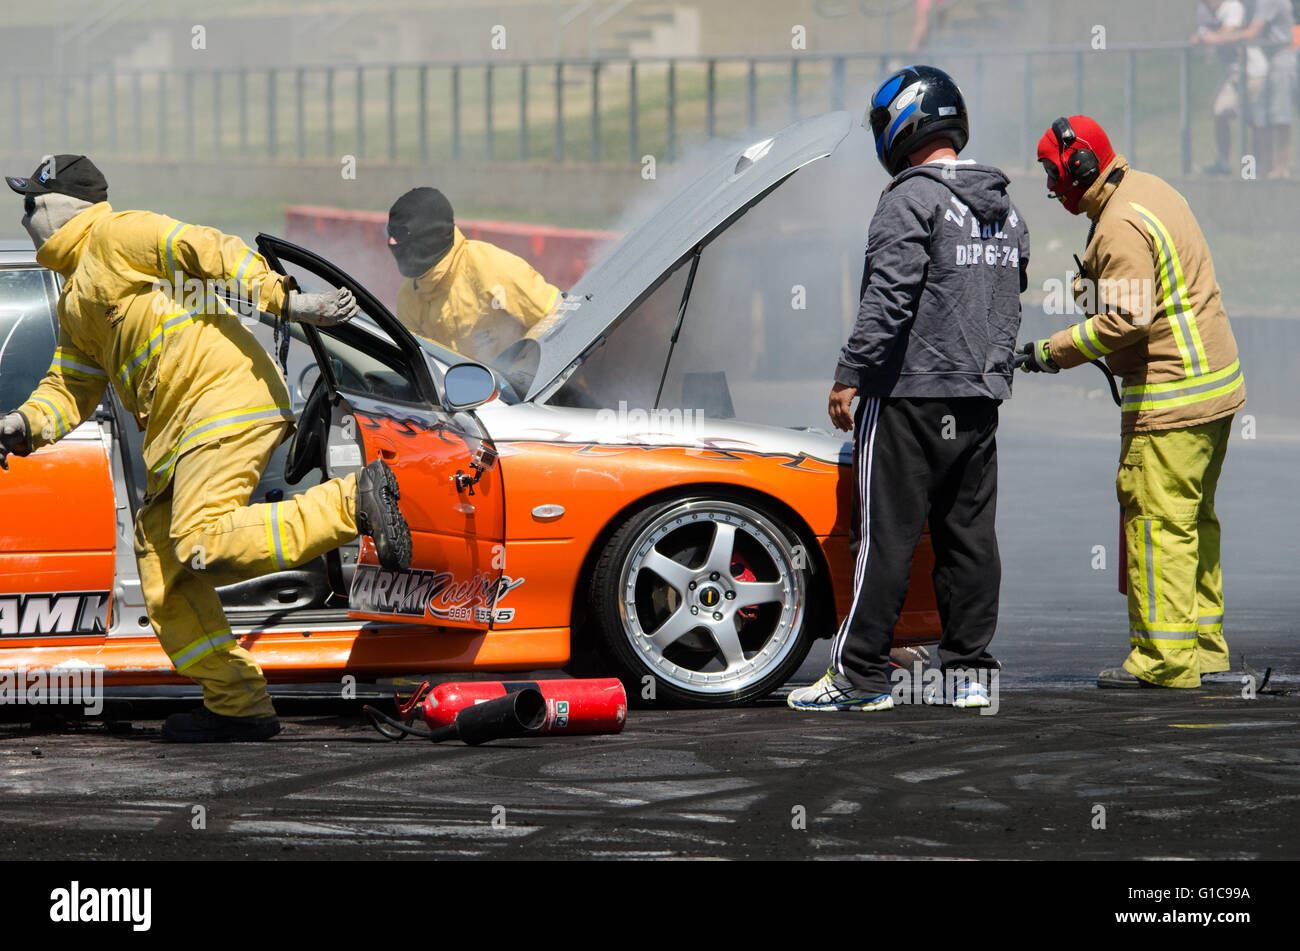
(565, 508)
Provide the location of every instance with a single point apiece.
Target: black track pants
(915, 459)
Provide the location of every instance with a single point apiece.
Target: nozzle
(522, 713)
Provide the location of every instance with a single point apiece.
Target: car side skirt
(300, 656)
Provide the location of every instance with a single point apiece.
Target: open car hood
(631, 270)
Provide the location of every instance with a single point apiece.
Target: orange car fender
(593, 486)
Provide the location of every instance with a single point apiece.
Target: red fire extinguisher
(572, 706)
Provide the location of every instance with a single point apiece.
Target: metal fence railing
(1154, 98)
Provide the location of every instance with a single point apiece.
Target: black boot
(379, 517)
(204, 726)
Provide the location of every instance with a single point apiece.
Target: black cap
(73, 175)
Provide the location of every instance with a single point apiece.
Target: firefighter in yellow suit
(138, 310)
(1158, 321)
(468, 296)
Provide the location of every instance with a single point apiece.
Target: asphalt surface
(1194, 774)
(1203, 774)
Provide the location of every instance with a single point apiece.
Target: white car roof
(17, 252)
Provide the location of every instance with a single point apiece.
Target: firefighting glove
(14, 438)
(322, 310)
(1035, 358)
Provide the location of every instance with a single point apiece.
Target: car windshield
(374, 367)
(510, 390)
(26, 332)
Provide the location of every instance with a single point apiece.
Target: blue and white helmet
(911, 108)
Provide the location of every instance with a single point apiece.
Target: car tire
(702, 600)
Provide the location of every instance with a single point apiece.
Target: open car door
(379, 395)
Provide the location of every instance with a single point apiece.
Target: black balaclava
(420, 230)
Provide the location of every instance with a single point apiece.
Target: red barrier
(356, 241)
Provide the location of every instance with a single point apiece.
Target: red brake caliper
(740, 571)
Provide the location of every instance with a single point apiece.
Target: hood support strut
(681, 317)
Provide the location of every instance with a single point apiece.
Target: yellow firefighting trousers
(199, 532)
(1166, 485)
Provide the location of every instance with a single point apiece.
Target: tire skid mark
(1163, 770)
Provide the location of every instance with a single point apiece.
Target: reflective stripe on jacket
(1157, 313)
(140, 309)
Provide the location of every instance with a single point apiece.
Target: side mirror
(468, 385)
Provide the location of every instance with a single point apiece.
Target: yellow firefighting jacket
(469, 300)
(138, 309)
(1158, 317)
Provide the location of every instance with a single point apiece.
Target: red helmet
(1073, 152)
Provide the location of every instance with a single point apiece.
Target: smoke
(770, 306)
(775, 296)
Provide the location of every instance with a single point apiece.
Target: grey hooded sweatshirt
(947, 255)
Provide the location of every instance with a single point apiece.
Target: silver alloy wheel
(700, 601)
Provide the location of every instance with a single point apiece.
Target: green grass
(1003, 133)
(204, 110)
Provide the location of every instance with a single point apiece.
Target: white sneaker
(971, 693)
(834, 692)
(965, 693)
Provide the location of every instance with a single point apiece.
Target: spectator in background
(1218, 16)
(1272, 26)
(927, 12)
